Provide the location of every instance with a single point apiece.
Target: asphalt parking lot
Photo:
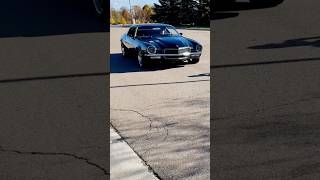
(163, 112)
(265, 114)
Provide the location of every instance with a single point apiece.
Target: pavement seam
(86, 160)
(144, 162)
(161, 83)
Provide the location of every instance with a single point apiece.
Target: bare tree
(125, 14)
(148, 12)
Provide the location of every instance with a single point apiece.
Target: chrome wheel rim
(122, 50)
(140, 60)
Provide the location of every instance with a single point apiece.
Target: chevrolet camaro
(159, 42)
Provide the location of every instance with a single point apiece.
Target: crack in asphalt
(86, 160)
(164, 125)
(267, 108)
(150, 126)
(137, 112)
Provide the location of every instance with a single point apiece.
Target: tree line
(175, 12)
(124, 16)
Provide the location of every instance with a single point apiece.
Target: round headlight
(198, 47)
(151, 49)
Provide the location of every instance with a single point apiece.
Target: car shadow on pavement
(120, 64)
(221, 9)
(238, 6)
(224, 15)
(309, 41)
(42, 18)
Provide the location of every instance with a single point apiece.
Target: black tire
(124, 50)
(101, 7)
(142, 60)
(194, 61)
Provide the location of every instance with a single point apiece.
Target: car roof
(151, 25)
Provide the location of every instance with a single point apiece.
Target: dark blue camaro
(159, 42)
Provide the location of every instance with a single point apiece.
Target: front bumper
(182, 56)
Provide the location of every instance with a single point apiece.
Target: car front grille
(177, 50)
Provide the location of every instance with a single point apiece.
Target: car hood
(168, 41)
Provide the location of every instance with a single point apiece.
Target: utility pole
(131, 12)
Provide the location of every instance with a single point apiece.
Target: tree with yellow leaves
(123, 21)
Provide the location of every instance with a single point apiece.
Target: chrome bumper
(184, 55)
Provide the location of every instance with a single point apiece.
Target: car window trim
(135, 32)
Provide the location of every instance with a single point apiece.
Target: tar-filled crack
(150, 121)
(86, 160)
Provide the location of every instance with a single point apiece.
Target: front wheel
(142, 60)
(194, 61)
(124, 50)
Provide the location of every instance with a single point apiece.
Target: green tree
(176, 12)
(204, 12)
(188, 12)
(167, 11)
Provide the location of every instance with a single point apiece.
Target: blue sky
(125, 3)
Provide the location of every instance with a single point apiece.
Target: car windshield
(156, 31)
